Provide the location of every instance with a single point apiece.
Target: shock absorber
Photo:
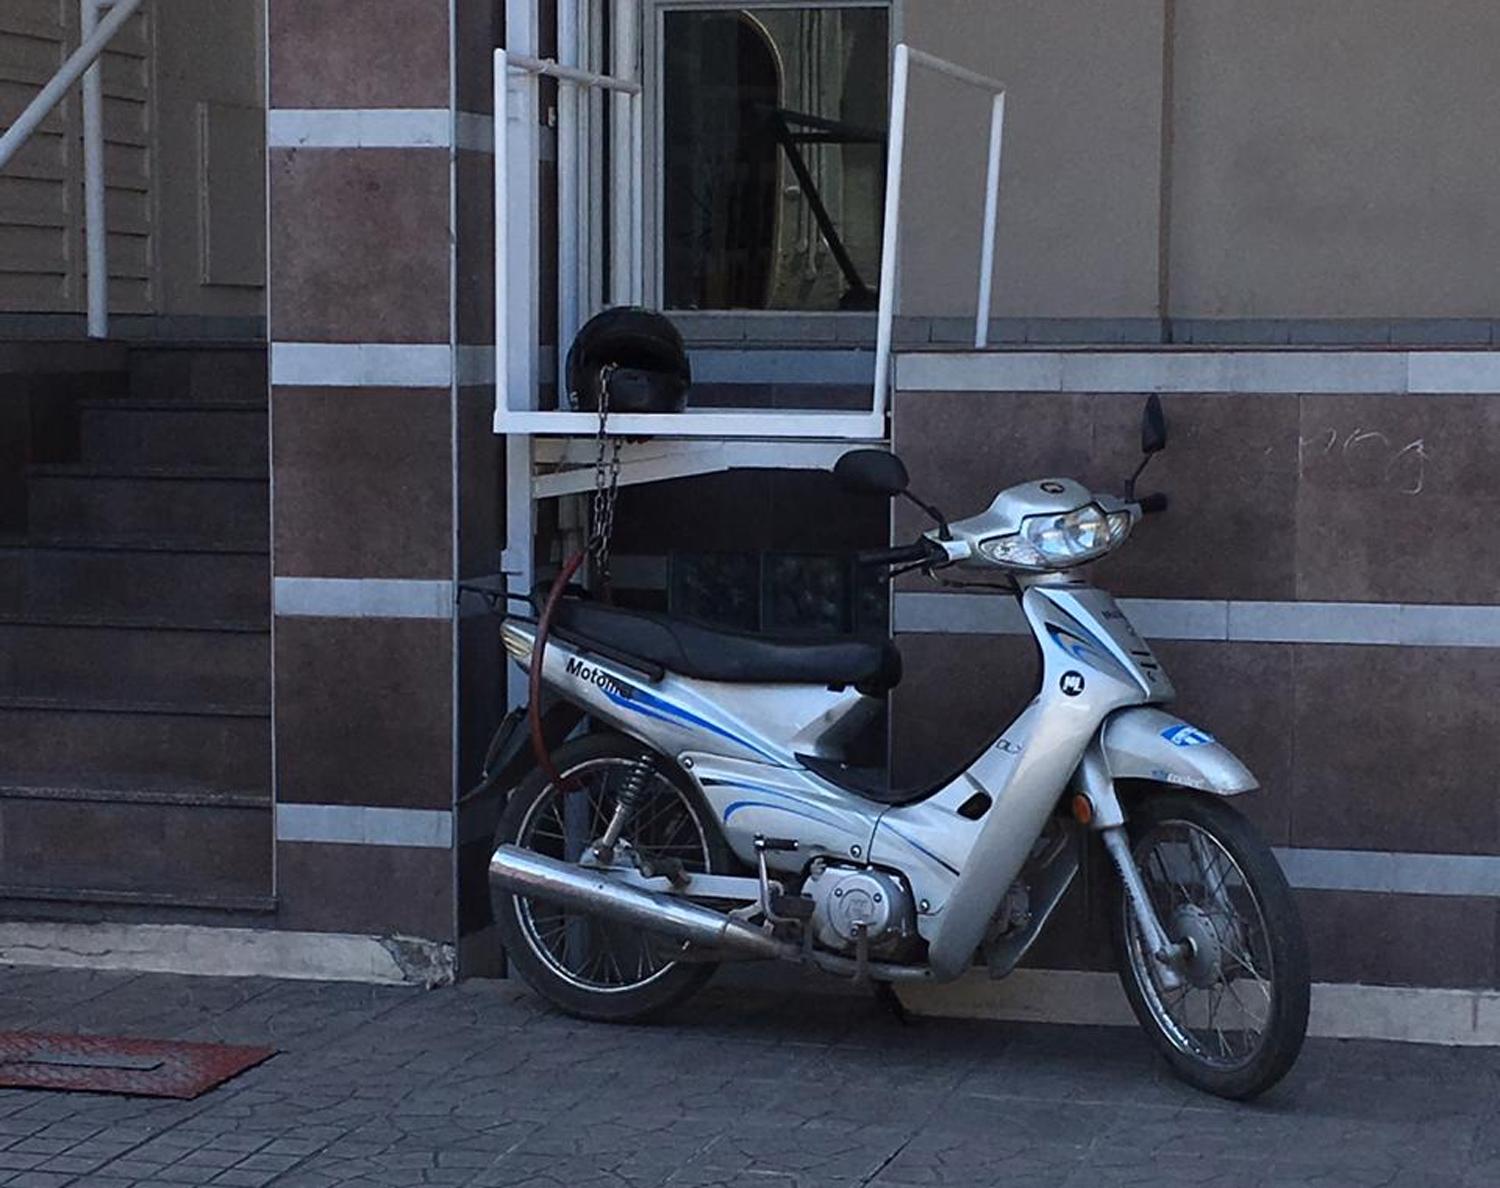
(631, 796)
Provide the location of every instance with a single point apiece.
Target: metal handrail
(905, 58)
(82, 62)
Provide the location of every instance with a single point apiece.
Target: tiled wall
(385, 473)
(1372, 727)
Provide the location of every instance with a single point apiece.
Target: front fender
(1142, 743)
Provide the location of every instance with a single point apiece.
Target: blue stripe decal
(1078, 648)
(776, 808)
(811, 812)
(916, 845)
(656, 707)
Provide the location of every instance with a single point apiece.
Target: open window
(769, 125)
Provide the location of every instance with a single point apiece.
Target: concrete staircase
(135, 756)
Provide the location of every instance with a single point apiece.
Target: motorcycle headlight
(1058, 541)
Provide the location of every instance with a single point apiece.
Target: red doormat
(137, 1068)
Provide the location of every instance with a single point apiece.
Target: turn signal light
(1083, 809)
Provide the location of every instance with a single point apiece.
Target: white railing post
(568, 101)
(889, 238)
(51, 95)
(991, 215)
(890, 264)
(637, 198)
(624, 33)
(95, 229)
(502, 229)
(83, 63)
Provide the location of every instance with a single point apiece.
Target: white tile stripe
(1401, 874)
(1473, 875)
(377, 364)
(1167, 369)
(363, 598)
(357, 825)
(1386, 623)
(389, 127)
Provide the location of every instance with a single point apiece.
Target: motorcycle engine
(846, 898)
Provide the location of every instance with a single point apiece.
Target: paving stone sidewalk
(748, 1087)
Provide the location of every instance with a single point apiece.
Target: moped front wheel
(588, 967)
(1230, 1018)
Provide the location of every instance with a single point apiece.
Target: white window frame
(517, 274)
(654, 52)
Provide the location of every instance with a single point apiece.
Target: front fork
(1108, 819)
(1170, 956)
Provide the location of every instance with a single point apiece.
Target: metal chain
(606, 483)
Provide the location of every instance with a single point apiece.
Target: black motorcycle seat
(706, 653)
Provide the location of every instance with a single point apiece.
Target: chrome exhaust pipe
(596, 894)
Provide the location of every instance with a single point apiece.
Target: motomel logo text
(596, 676)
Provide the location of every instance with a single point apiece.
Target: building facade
(1279, 216)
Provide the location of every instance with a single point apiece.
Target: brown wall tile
(359, 245)
(376, 53)
(475, 247)
(363, 482)
(481, 482)
(1231, 471)
(1395, 749)
(1357, 937)
(364, 712)
(479, 27)
(384, 890)
(1398, 499)
(1242, 694)
(957, 693)
(1352, 936)
(1357, 498)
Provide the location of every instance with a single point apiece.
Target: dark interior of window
(774, 157)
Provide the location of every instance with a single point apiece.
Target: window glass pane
(774, 157)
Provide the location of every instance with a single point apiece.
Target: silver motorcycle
(711, 810)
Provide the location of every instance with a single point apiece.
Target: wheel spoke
(1213, 897)
(581, 949)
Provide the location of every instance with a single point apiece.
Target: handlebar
(918, 551)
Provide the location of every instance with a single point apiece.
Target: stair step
(161, 433)
(152, 404)
(131, 703)
(122, 845)
(200, 373)
(53, 747)
(181, 796)
(192, 589)
(188, 508)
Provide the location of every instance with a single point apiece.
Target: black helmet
(650, 370)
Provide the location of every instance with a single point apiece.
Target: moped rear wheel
(592, 968)
(1234, 1024)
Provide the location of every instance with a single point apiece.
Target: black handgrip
(900, 555)
(1153, 503)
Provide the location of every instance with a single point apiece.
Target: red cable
(538, 649)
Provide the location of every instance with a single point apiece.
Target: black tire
(1278, 940)
(596, 756)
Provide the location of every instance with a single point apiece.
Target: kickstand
(886, 996)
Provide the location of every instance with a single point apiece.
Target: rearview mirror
(1153, 426)
(871, 472)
